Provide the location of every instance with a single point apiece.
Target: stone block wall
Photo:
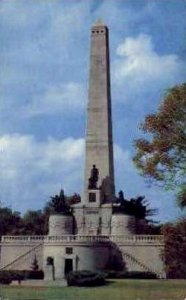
(20, 256)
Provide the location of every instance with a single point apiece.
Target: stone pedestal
(106, 216)
(49, 272)
(123, 224)
(93, 197)
(60, 224)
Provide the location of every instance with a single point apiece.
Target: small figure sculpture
(93, 178)
(121, 196)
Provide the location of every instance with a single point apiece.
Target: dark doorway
(68, 265)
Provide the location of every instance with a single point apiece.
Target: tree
(174, 252)
(161, 156)
(34, 223)
(10, 221)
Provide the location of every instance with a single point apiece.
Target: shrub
(33, 274)
(141, 275)
(85, 278)
(115, 274)
(5, 278)
(131, 274)
(21, 274)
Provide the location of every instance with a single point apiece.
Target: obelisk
(99, 143)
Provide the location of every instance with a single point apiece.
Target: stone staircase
(130, 259)
(133, 263)
(27, 255)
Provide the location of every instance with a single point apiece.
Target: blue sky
(44, 57)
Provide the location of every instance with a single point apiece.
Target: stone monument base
(49, 273)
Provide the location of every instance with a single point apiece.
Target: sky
(44, 58)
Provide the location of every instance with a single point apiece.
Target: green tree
(161, 156)
(34, 223)
(10, 221)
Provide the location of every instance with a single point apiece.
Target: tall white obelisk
(99, 144)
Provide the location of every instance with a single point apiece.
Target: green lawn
(115, 290)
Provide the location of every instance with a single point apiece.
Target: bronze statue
(93, 178)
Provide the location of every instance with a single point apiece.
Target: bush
(5, 278)
(85, 278)
(115, 274)
(131, 275)
(33, 274)
(21, 274)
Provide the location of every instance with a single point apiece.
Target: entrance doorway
(68, 265)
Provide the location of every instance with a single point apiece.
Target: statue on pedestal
(93, 178)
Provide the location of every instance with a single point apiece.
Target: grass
(115, 290)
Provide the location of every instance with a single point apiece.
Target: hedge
(85, 278)
(131, 274)
(9, 275)
(5, 278)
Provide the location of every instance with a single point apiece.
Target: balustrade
(84, 238)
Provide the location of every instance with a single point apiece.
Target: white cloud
(142, 70)
(57, 99)
(31, 171)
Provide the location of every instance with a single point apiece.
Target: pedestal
(49, 272)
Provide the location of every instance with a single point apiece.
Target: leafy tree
(174, 253)
(161, 156)
(10, 221)
(34, 222)
(181, 197)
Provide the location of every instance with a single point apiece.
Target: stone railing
(22, 238)
(84, 238)
(77, 238)
(48, 238)
(139, 238)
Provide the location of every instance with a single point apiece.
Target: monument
(99, 190)
(93, 236)
(99, 145)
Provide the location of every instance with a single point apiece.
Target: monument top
(99, 23)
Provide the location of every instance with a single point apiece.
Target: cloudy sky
(44, 57)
